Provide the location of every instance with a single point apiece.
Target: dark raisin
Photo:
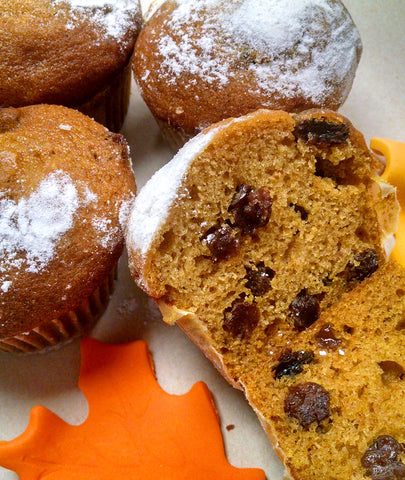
(120, 140)
(222, 242)
(301, 210)
(251, 208)
(307, 402)
(241, 318)
(327, 281)
(259, 280)
(291, 363)
(321, 132)
(381, 461)
(326, 338)
(304, 310)
(365, 264)
(9, 118)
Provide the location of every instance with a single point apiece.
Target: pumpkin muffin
(69, 52)
(256, 227)
(333, 402)
(65, 187)
(197, 63)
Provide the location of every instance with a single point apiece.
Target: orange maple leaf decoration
(134, 429)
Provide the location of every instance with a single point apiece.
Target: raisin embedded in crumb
(321, 132)
(251, 208)
(381, 461)
(301, 210)
(9, 118)
(241, 318)
(259, 280)
(230, 427)
(365, 264)
(326, 338)
(304, 310)
(222, 242)
(291, 363)
(307, 402)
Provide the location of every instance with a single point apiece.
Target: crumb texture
(254, 250)
(356, 354)
(271, 257)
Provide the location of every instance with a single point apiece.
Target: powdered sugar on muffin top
(289, 46)
(32, 227)
(116, 17)
(151, 205)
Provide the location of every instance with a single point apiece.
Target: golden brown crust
(50, 54)
(187, 102)
(194, 328)
(49, 142)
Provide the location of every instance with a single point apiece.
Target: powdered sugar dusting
(32, 227)
(115, 16)
(289, 46)
(151, 206)
(35, 224)
(5, 286)
(124, 212)
(108, 234)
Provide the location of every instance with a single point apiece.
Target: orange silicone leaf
(134, 429)
(394, 174)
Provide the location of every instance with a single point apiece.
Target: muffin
(197, 63)
(256, 227)
(334, 402)
(65, 187)
(69, 52)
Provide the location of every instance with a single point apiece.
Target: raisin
(222, 242)
(241, 318)
(301, 210)
(307, 402)
(120, 140)
(326, 337)
(291, 363)
(9, 118)
(321, 132)
(365, 264)
(259, 281)
(251, 208)
(381, 461)
(304, 309)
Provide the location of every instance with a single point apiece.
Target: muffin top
(200, 62)
(65, 186)
(63, 51)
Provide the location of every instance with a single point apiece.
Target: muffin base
(110, 105)
(70, 325)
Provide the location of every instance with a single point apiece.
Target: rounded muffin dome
(66, 183)
(201, 62)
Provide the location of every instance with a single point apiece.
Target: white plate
(376, 106)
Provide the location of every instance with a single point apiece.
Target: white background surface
(376, 106)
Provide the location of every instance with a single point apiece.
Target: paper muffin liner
(175, 137)
(109, 106)
(70, 325)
